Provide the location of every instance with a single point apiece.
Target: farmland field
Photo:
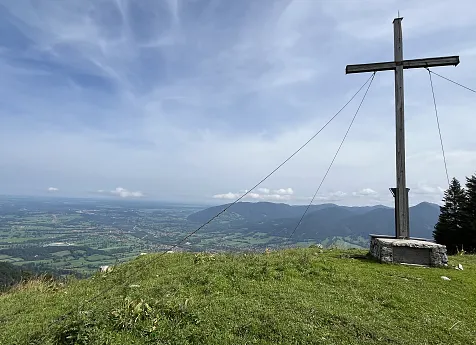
(79, 235)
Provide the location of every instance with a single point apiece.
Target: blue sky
(197, 100)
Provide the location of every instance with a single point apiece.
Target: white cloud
(122, 192)
(332, 196)
(284, 191)
(253, 196)
(228, 196)
(263, 194)
(364, 196)
(53, 189)
(419, 17)
(338, 194)
(367, 196)
(425, 189)
(365, 192)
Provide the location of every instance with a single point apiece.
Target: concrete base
(412, 251)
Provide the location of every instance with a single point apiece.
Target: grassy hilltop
(299, 296)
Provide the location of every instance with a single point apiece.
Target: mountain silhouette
(321, 221)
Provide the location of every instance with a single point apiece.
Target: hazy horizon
(210, 203)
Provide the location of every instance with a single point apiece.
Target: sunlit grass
(298, 296)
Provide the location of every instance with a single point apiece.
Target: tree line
(456, 226)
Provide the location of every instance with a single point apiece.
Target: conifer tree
(469, 215)
(450, 227)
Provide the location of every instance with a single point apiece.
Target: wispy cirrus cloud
(187, 99)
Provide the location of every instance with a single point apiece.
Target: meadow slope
(297, 296)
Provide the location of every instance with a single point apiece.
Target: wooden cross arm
(415, 63)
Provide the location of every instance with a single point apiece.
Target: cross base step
(408, 251)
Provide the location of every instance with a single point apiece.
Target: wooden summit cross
(401, 192)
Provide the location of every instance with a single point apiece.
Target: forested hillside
(321, 221)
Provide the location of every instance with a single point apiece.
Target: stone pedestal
(412, 251)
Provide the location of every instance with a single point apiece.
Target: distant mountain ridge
(258, 211)
(322, 221)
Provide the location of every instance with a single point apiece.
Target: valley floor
(297, 296)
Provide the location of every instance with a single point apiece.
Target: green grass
(97, 258)
(298, 296)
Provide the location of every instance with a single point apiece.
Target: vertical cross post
(401, 199)
(398, 65)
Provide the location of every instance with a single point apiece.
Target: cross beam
(407, 64)
(398, 65)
